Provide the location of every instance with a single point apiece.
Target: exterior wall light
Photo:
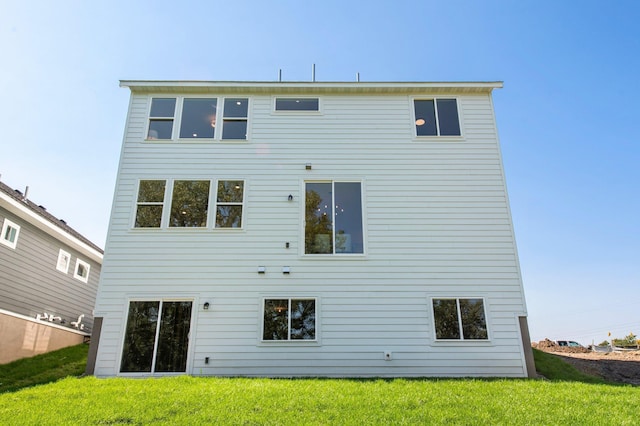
(206, 306)
(290, 197)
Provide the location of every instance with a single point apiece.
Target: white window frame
(167, 184)
(63, 267)
(7, 226)
(87, 268)
(437, 118)
(294, 111)
(290, 341)
(214, 202)
(460, 325)
(177, 119)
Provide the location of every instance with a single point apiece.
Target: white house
(311, 229)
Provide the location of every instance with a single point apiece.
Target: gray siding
(437, 224)
(30, 284)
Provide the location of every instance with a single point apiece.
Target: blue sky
(567, 115)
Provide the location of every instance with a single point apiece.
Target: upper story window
(150, 203)
(198, 118)
(229, 201)
(333, 218)
(82, 271)
(189, 201)
(289, 319)
(297, 104)
(460, 319)
(64, 260)
(10, 233)
(436, 117)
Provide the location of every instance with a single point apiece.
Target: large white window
(82, 271)
(333, 218)
(10, 233)
(229, 200)
(459, 319)
(436, 117)
(157, 337)
(297, 104)
(64, 260)
(189, 203)
(286, 319)
(198, 118)
(150, 203)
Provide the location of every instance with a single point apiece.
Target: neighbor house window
(161, 118)
(333, 218)
(198, 118)
(189, 203)
(297, 104)
(156, 337)
(234, 123)
(10, 232)
(150, 203)
(460, 319)
(64, 260)
(229, 204)
(436, 117)
(82, 271)
(289, 319)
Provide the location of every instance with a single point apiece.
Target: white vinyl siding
(436, 221)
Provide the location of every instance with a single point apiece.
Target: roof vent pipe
(280, 75)
(313, 73)
(358, 77)
(26, 192)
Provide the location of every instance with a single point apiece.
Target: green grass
(43, 368)
(567, 398)
(554, 368)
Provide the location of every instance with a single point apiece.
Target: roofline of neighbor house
(36, 215)
(302, 87)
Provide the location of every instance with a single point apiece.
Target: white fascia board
(45, 225)
(320, 87)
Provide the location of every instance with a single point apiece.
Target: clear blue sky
(567, 116)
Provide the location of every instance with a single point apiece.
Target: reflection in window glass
(333, 218)
(425, 118)
(190, 203)
(198, 118)
(235, 118)
(289, 319)
(161, 118)
(173, 337)
(297, 104)
(460, 319)
(229, 204)
(139, 340)
(448, 122)
(150, 204)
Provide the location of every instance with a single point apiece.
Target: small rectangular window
(198, 118)
(82, 271)
(229, 204)
(439, 118)
(64, 260)
(150, 204)
(289, 319)
(297, 104)
(460, 319)
(10, 233)
(161, 118)
(190, 204)
(234, 124)
(333, 218)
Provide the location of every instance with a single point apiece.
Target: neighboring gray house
(328, 229)
(48, 279)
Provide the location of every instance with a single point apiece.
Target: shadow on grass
(45, 368)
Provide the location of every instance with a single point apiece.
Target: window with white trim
(229, 200)
(82, 271)
(333, 218)
(189, 204)
(150, 203)
(297, 104)
(64, 260)
(10, 233)
(459, 319)
(436, 117)
(289, 319)
(197, 118)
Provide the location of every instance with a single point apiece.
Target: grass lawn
(190, 400)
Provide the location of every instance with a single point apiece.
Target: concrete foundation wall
(22, 338)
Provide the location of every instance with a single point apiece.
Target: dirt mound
(547, 345)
